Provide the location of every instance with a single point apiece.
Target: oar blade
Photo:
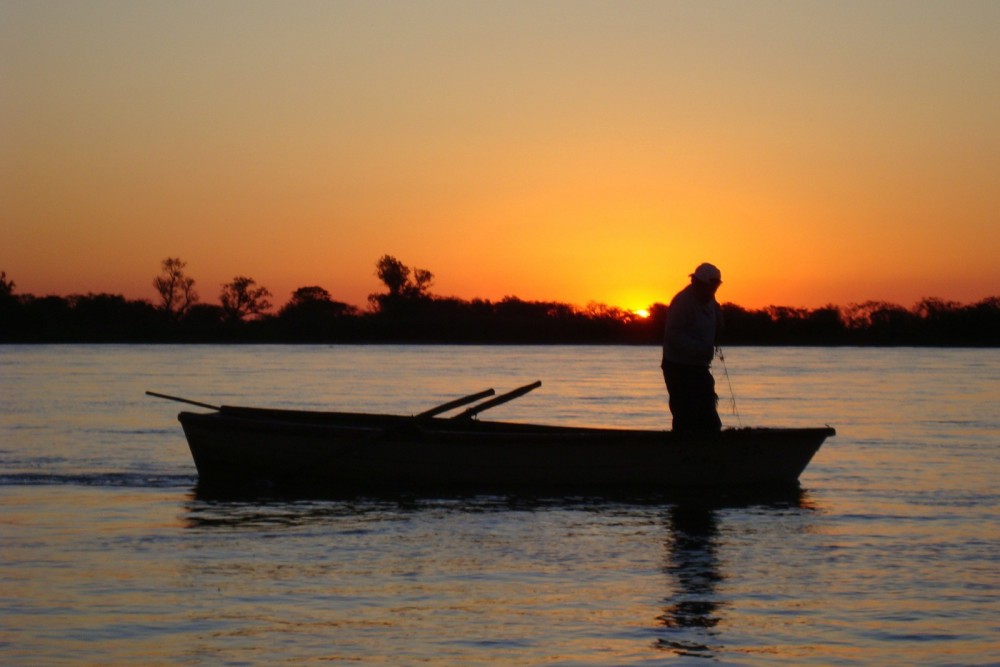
(457, 403)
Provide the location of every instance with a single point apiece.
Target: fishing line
(732, 394)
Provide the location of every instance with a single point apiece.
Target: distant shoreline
(427, 320)
(266, 343)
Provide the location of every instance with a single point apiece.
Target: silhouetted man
(694, 321)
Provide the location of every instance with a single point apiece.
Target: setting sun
(641, 312)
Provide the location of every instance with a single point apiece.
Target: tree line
(407, 312)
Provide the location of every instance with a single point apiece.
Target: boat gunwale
(302, 420)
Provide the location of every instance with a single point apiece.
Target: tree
(312, 314)
(176, 289)
(422, 282)
(111, 317)
(311, 294)
(10, 307)
(6, 286)
(393, 273)
(405, 285)
(879, 322)
(398, 280)
(242, 297)
(314, 302)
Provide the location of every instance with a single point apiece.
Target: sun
(641, 313)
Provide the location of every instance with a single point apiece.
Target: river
(890, 554)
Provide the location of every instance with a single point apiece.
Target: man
(694, 320)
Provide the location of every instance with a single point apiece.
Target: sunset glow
(567, 151)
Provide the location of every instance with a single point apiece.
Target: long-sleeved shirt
(692, 327)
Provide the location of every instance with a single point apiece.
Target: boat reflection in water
(353, 548)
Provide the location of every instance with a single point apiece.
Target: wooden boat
(350, 452)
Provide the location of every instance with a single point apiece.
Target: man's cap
(707, 273)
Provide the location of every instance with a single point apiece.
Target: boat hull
(341, 453)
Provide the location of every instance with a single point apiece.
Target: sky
(573, 151)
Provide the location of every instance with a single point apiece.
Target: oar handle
(182, 400)
(502, 398)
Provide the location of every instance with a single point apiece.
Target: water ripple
(108, 479)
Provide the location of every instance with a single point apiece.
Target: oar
(412, 421)
(451, 405)
(502, 398)
(183, 400)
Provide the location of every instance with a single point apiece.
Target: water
(890, 554)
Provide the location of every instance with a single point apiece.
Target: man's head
(706, 279)
(708, 273)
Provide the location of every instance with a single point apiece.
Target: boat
(349, 452)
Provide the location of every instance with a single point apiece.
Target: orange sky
(570, 151)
